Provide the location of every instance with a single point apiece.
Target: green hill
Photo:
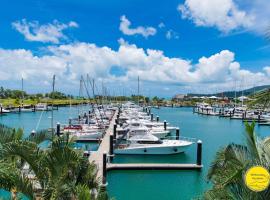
(231, 94)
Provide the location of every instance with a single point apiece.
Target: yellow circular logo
(257, 178)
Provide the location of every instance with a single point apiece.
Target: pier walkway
(153, 166)
(97, 156)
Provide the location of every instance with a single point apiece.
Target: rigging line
(93, 89)
(89, 98)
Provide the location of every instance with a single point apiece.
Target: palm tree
(230, 165)
(57, 172)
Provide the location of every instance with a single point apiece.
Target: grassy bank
(16, 102)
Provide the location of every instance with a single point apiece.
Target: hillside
(231, 94)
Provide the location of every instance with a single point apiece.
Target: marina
(125, 168)
(134, 100)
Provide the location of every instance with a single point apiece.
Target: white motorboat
(41, 107)
(149, 144)
(3, 110)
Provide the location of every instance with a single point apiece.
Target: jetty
(153, 166)
(97, 156)
(104, 155)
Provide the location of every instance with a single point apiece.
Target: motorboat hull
(159, 150)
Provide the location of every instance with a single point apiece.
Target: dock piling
(58, 129)
(157, 118)
(165, 125)
(199, 152)
(177, 134)
(152, 117)
(111, 148)
(114, 131)
(33, 133)
(104, 169)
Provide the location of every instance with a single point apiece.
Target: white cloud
(161, 25)
(170, 34)
(140, 30)
(52, 32)
(267, 70)
(222, 14)
(70, 61)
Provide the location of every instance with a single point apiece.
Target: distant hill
(231, 94)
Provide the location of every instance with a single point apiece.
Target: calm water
(215, 132)
(159, 185)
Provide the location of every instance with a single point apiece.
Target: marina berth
(41, 107)
(149, 144)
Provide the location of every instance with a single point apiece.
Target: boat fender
(145, 150)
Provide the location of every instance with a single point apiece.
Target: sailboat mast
(22, 94)
(138, 88)
(52, 105)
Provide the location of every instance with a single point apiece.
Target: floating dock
(153, 166)
(97, 156)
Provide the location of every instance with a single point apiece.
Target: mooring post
(33, 133)
(152, 117)
(1, 110)
(165, 125)
(69, 121)
(34, 108)
(104, 169)
(58, 129)
(114, 131)
(259, 118)
(199, 152)
(230, 114)
(19, 109)
(243, 116)
(157, 118)
(111, 148)
(116, 121)
(177, 134)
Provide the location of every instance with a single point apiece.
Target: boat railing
(173, 137)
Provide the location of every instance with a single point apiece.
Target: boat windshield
(149, 142)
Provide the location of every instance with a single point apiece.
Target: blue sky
(174, 46)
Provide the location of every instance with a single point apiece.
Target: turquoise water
(42, 120)
(215, 132)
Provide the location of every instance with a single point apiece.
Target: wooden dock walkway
(153, 166)
(97, 156)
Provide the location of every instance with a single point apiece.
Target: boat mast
(22, 94)
(52, 105)
(138, 89)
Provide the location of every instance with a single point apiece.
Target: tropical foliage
(261, 98)
(57, 172)
(230, 165)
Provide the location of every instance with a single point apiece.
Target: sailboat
(22, 107)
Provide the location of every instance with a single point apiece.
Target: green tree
(57, 172)
(231, 163)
